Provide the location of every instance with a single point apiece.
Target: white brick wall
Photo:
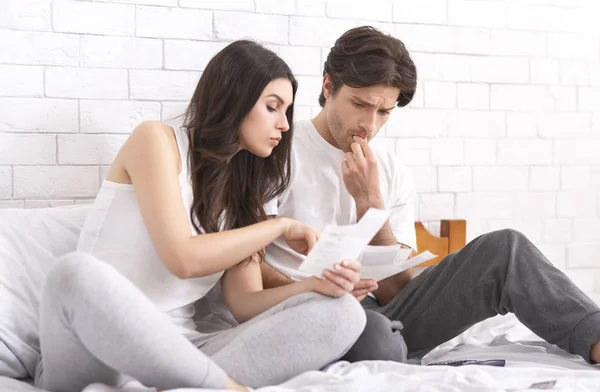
(71, 16)
(38, 48)
(120, 52)
(22, 80)
(504, 130)
(161, 22)
(67, 82)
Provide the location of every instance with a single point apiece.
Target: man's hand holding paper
(350, 242)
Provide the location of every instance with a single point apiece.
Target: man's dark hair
(364, 56)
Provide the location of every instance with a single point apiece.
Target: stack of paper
(380, 262)
(350, 242)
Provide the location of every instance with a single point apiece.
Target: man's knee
(503, 237)
(505, 243)
(506, 235)
(380, 340)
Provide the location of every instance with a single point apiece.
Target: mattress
(531, 364)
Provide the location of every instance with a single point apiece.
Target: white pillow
(30, 242)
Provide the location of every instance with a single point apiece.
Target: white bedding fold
(529, 361)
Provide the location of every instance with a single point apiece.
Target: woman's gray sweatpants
(97, 327)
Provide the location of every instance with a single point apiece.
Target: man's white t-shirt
(317, 195)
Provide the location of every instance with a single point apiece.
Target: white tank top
(114, 232)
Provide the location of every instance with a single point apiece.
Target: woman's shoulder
(152, 135)
(153, 140)
(153, 129)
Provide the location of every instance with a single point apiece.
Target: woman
(182, 208)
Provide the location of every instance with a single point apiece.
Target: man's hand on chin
(361, 178)
(361, 175)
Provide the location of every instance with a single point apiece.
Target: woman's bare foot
(595, 352)
(234, 386)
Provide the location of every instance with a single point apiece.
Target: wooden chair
(453, 236)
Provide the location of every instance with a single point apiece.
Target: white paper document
(350, 242)
(379, 263)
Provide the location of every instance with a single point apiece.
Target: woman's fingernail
(345, 262)
(337, 267)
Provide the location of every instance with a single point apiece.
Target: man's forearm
(273, 278)
(384, 236)
(389, 287)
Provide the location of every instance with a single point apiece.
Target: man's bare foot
(234, 386)
(595, 352)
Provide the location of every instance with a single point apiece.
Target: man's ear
(327, 86)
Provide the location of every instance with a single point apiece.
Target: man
(337, 176)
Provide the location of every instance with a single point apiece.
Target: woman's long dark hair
(231, 188)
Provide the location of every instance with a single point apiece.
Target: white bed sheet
(529, 360)
(504, 337)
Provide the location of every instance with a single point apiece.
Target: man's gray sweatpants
(496, 273)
